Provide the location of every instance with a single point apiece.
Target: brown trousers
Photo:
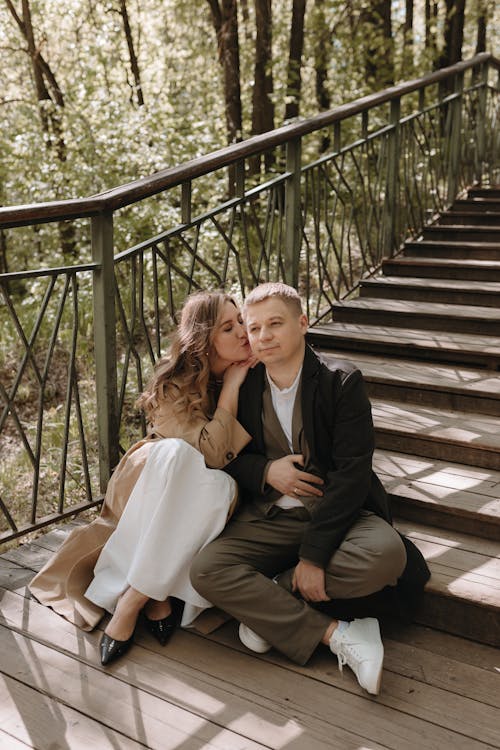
(235, 572)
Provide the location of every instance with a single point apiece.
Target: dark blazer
(338, 428)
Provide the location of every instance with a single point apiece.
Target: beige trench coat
(61, 583)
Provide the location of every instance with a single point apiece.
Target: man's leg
(371, 557)
(234, 573)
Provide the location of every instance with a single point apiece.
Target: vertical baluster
(391, 208)
(186, 202)
(480, 141)
(105, 345)
(454, 136)
(292, 213)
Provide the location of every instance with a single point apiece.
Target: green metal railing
(79, 340)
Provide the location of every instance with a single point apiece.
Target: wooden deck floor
(438, 691)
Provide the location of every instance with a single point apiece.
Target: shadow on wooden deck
(438, 691)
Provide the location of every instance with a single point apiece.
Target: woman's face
(230, 342)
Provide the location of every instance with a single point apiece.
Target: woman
(162, 503)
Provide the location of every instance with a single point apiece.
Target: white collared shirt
(283, 402)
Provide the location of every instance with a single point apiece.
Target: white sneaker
(251, 640)
(360, 647)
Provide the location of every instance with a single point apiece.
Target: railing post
(454, 135)
(481, 123)
(392, 187)
(293, 227)
(105, 345)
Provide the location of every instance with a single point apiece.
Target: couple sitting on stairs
(309, 553)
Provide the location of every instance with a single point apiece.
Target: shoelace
(342, 656)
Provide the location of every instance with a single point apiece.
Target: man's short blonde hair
(288, 294)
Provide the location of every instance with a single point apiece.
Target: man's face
(275, 331)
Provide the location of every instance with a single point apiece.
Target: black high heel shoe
(111, 649)
(161, 629)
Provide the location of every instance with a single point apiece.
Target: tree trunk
(482, 21)
(295, 60)
(322, 49)
(408, 51)
(262, 103)
(453, 32)
(134, 63)
(378, 44)
(225, 21)
(431, 15)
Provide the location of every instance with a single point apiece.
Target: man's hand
(284, 476)
(309, 579)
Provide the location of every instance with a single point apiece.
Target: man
(311, 504)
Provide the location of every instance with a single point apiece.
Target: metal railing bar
(47, 520)
(12, 275)
(146, 187)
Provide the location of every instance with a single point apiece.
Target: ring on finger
(296, 491)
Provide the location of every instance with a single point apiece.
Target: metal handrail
(146, 187)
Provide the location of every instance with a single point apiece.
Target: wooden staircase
(426, 335)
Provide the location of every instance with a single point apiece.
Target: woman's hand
(284, 476)
(236, 373)
(233, 377)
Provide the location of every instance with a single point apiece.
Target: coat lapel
(310, 372)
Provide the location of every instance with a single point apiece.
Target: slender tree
(408, 48)
(134, 63)
(294, 78)
(482, 21)
(431, 47)
(453, 32)
(225, 21)
(322, 52)
(262, 102)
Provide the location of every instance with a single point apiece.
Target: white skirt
(176, 507)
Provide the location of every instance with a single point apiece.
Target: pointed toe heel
(111, 649)
(161, 629)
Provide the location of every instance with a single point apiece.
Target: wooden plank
(136, 713)
(438, 433)
(318, 701)
(475, 270)
(31, 718)
(428, 315)
(148, 668)
(12, 575)
(411, 695)
(457, 248)
(449, 387)
(440, 284)
(451, 339)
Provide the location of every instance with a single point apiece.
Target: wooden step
(428, 384)
(462, 437)
(432, 316)
(489, 193)
(413, 343)
(437, 249)
(463, 594)
(469, 218)
(461, 233)
(477, 205)
(448, 495)
(447, 291)
(443, 268)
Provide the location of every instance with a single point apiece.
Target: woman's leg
(122, 624)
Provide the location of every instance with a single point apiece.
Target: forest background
(96, 93)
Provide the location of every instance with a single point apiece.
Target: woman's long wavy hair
(187, 359)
